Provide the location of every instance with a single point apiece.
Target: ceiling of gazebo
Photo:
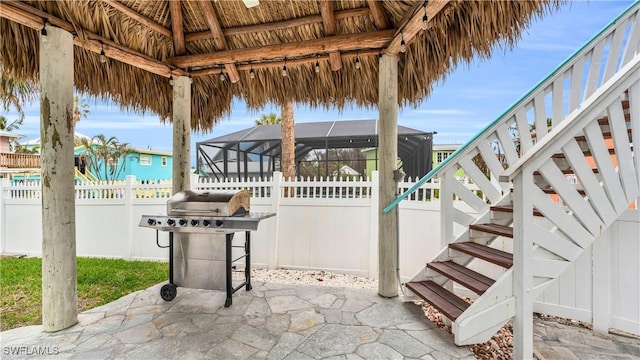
(147, 42)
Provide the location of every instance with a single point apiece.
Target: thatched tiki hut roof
(325, 53)
(147, 42)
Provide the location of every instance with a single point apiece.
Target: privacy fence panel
(328, 226)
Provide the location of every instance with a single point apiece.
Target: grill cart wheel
(168, 292)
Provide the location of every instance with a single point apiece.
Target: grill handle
(194, 211)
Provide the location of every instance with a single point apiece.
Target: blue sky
(460, 106)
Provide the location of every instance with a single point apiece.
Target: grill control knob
(151, 222)
(182, 222)
(171, 222)
(219, 223)
(194, 222)
(206, 222)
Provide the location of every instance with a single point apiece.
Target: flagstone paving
(275, 321)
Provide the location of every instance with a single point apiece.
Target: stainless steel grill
(201, 226)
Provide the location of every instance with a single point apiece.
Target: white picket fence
(328, 224)
(321, 225)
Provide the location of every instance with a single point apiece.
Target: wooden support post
(59, 282)
(388, 135)
(181, 133)
(523, 233)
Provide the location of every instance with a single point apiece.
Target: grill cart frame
(202, 225)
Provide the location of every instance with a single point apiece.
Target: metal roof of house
(414, 146)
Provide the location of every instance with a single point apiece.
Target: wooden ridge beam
(350, 42)
(412, 24)
(278, 25)
(175, 7)
(16, 5)
(33, 18)
(21, 17)
(378, 14)
(290, 62)
(218, 37)
(329, 24)
(138, 17)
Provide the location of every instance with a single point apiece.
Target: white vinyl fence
(326, 225)
(320, 224)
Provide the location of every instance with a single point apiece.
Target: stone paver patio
(277, 321)
(273, 321)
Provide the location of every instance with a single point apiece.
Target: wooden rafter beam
(33, 18)
(278, 25)
(291, 62)
(175, 7)
(329, 24)
(378, 14)
(218, 37)
(138, 17)
(411, 25)
(350, 42)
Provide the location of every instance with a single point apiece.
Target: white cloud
(444, 112)
(548, 46)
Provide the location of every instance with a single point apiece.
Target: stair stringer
(487, 314)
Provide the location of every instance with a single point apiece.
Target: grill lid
(209, 203)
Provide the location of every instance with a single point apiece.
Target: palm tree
(13, 93)
(270, 119)
(14, 125)
(105, 157)
(288, 144)
(80, 109)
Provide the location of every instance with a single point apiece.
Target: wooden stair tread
(605, 120)
(568, 171)
(551, 191)
(606, 135)
(509, 209)
(486, 253)
(495, 229)
(462, 275)
(587, 152)
(440, 298)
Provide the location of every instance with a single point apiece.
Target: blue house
(148, 164)
(145, 164)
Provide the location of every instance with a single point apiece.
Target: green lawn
(100, 281)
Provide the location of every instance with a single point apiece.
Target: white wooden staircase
(550, 187)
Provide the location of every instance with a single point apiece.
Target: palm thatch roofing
(148, 42)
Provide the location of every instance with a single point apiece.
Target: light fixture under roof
(425, 18)
(43, 32)
(251, 3)
(103, 56)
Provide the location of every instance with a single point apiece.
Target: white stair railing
(529, 120)
(608, 184)
(543, 122)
